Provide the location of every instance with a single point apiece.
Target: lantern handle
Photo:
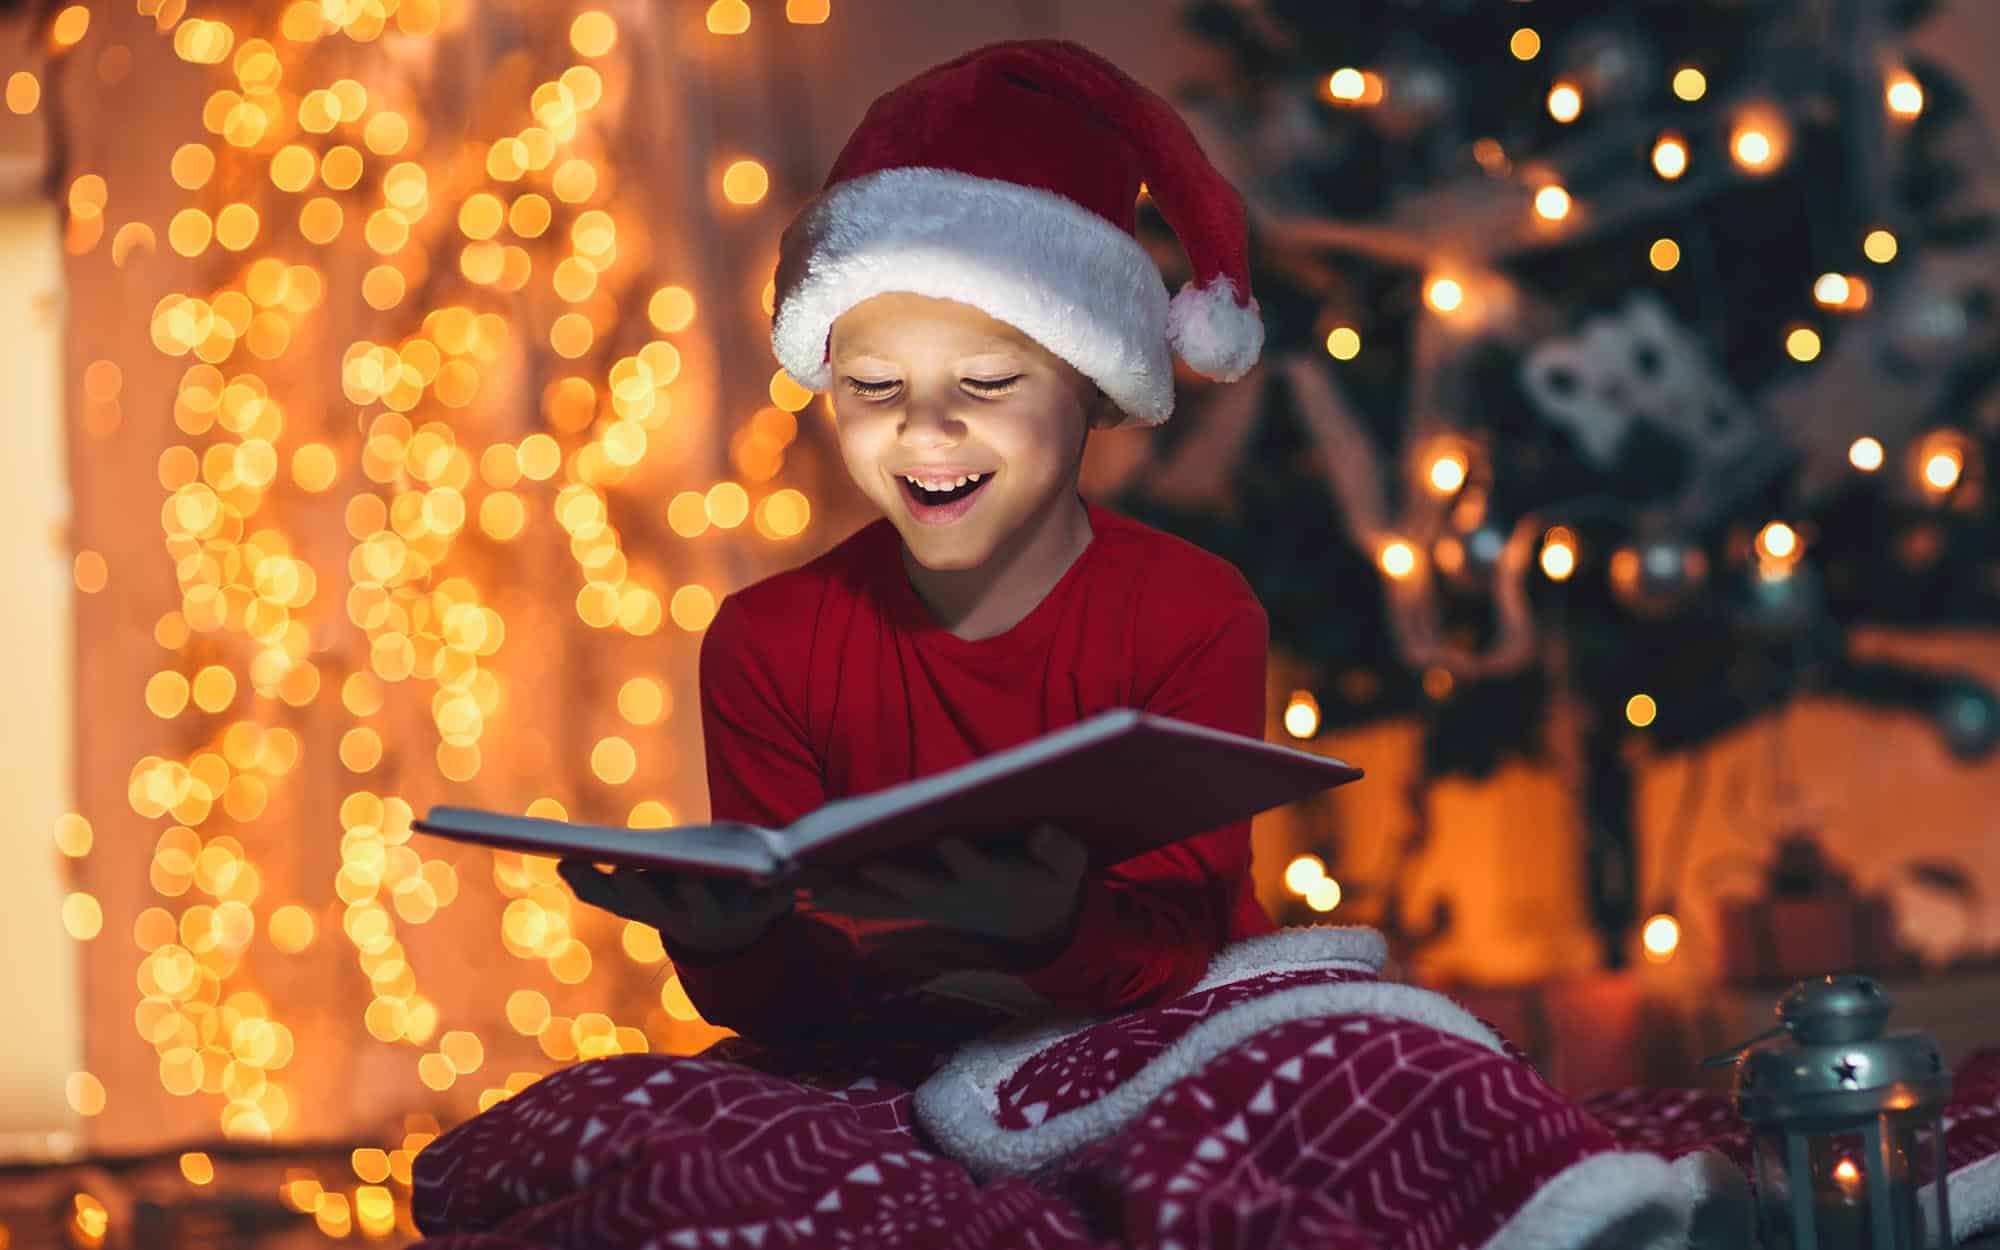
(1731, 1057)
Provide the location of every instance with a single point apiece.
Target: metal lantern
(1840, 1113)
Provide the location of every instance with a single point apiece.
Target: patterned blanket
(1290, 1099)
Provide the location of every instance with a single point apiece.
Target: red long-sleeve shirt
(833, 679)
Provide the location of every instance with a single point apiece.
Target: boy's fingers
(850, 900)
(899, 883)
(964, 862)
(588, 883)
(1057, 850)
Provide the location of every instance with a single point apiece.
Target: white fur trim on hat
(1218, 337)
(1072, 281)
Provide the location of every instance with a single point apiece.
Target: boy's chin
(939, 552)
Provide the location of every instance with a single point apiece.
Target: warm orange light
(1640, 710)
(1879, 246)
(1302, 715)
(1447, 473)
(1661, 937)
(1778, 541)
(1323, 894)
(1558, 557)
(1444, 295)
(1565, 102)
(1346, 85)
(1343, 343)
(1670, 157)
(745, 182)
(1690, 84)
(1552, 203)
(1942, 469)
(1525, 44)
(1904, 96)
(1865, 454)
(1398, 559)
(728, 17)
(1303, 872)
(1664, 254)
(1802, 344)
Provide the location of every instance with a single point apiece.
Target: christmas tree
(1624, 359)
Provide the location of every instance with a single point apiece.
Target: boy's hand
(1022, 897)
(710, 918)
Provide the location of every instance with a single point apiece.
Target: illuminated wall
(44, 1046)
(422, 408)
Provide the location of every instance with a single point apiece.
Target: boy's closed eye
(986, 388)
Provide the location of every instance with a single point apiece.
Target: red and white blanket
(1290, 1099)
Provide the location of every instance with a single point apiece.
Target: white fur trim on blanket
(1974, 1195)
(1348, 947)
(1605, 1202)
(959, 1104)
(1072, 281)
(1724, 1212)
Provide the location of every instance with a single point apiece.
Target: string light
(1323, 895)
(1347, 85)
(1665, 254)
(1558, 554)
(1303, 873)
(1398, 559)
(1904, 96)
(1343, 343)
(1865, 454)
(1802, 343)
(1690, 84)
(1757, 143)
(1526, 44)
(728, 17)
(1943, 463)
(1670, 156)
(1641, 710)
(1778, 541)
(1447, 472)
(1660, 938)
(745, 182)
(1302, 715)
(1552, 203)
(1565, 102)
(1879, 246)
(1444, 294)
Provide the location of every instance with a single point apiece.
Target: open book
(1124, 782)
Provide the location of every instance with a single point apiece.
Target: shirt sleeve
(761, 770)
(1146, 929)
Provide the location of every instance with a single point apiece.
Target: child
(968, 287)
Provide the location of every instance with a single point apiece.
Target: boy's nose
(929, 425)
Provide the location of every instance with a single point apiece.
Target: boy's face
(938, 390)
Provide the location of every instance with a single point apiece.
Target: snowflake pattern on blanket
(1290, 1100)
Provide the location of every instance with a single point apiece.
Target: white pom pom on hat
(1008, 179)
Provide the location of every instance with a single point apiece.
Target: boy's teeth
(943, 484)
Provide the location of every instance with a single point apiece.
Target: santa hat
(1008, 179)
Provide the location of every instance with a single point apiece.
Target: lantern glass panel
(1818, 1191)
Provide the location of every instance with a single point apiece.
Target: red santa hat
(1008, 179)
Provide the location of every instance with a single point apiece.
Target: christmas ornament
(1659, 576)
(1968, 716)
(1638, 365)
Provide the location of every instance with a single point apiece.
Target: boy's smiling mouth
(937, 498)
